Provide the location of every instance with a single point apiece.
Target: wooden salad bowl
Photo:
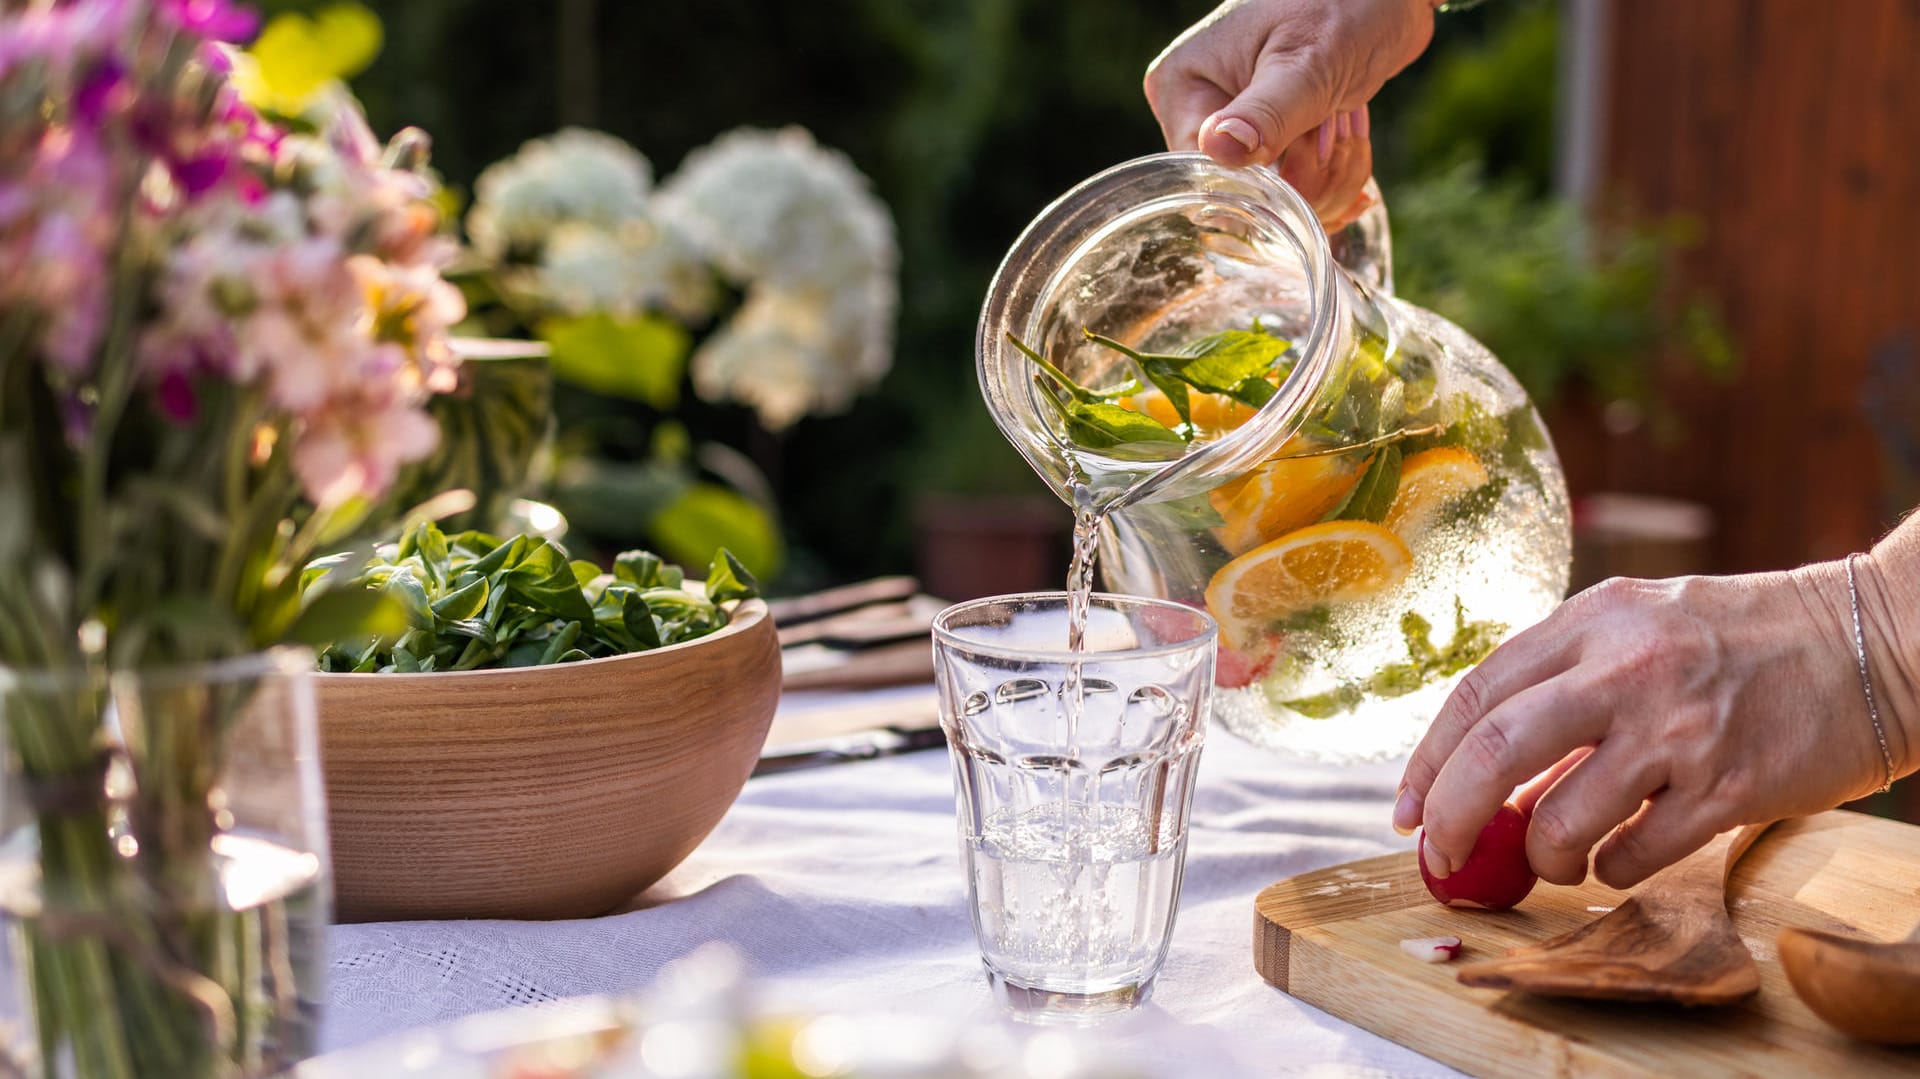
(539, 792)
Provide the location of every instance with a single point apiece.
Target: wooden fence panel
(1791, 132)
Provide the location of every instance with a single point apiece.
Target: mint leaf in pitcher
(1236, 363)
(1097, 425)
(1094, 422)
(1067, 385)
(1372, 497)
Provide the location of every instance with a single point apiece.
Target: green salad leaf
(472, 600)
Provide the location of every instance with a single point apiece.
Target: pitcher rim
(1271, 421)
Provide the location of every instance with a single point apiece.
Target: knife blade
(863, 746)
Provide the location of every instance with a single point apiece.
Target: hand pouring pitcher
(1357, 490)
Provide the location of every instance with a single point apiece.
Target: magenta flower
(215, 20)
(175, 398)
(100, 92)
(199, 175)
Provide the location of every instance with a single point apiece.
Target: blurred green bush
(1480, 237)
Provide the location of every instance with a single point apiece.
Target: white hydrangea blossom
(575, 175)
(641, 266)
(798, 226)
(777, 355)
(788, 221)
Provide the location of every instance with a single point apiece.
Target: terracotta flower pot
(539, 792)
(970, 547)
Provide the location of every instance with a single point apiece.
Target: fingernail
(1325, 146)
(1239, 131)
(1437, 864)
(1406, 812)
(1361, 122)
(1343, 126)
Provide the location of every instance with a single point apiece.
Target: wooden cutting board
(1332, 938)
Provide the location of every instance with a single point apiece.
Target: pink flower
(352, 452)
(58, 225)
(347, 132)
(64, 33)
(216, 58)
(170, 349)
(75, 327)
(62, 272)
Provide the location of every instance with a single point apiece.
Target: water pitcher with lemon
(1357, 490)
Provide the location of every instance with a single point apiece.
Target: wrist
(1827, 595)
(1889, 583)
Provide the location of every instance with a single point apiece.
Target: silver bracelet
(1866, 681)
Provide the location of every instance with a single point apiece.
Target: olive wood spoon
(1869, 990)
(1670, 941)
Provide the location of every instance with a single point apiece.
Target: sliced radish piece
(1431, 949)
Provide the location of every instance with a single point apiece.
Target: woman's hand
(1662, 713)
(1332, 175)
(1261, 78)
(1253, 77)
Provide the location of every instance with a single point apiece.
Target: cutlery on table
(859, 636)
(860, 746)
(1670, 941)
(794, 610)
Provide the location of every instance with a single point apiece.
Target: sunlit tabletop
(841, 887)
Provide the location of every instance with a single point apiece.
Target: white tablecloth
(841, 887)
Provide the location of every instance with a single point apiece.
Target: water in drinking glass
(1074, 772)
(1074, 896)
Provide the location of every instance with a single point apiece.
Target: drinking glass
(1073, 774)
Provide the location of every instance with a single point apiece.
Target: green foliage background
(970, 116)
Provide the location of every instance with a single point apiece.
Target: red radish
(1431, 949)
(1496, 875)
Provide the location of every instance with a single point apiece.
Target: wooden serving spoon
(1671, 941)
(1868, 989)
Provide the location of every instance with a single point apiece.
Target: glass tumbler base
(1032, 1004)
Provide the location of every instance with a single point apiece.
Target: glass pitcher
(1355, 488)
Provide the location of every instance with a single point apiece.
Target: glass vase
(163, 870)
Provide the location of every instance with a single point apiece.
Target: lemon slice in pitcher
(1334, 562)
(1428, 481)
(1280, 496)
